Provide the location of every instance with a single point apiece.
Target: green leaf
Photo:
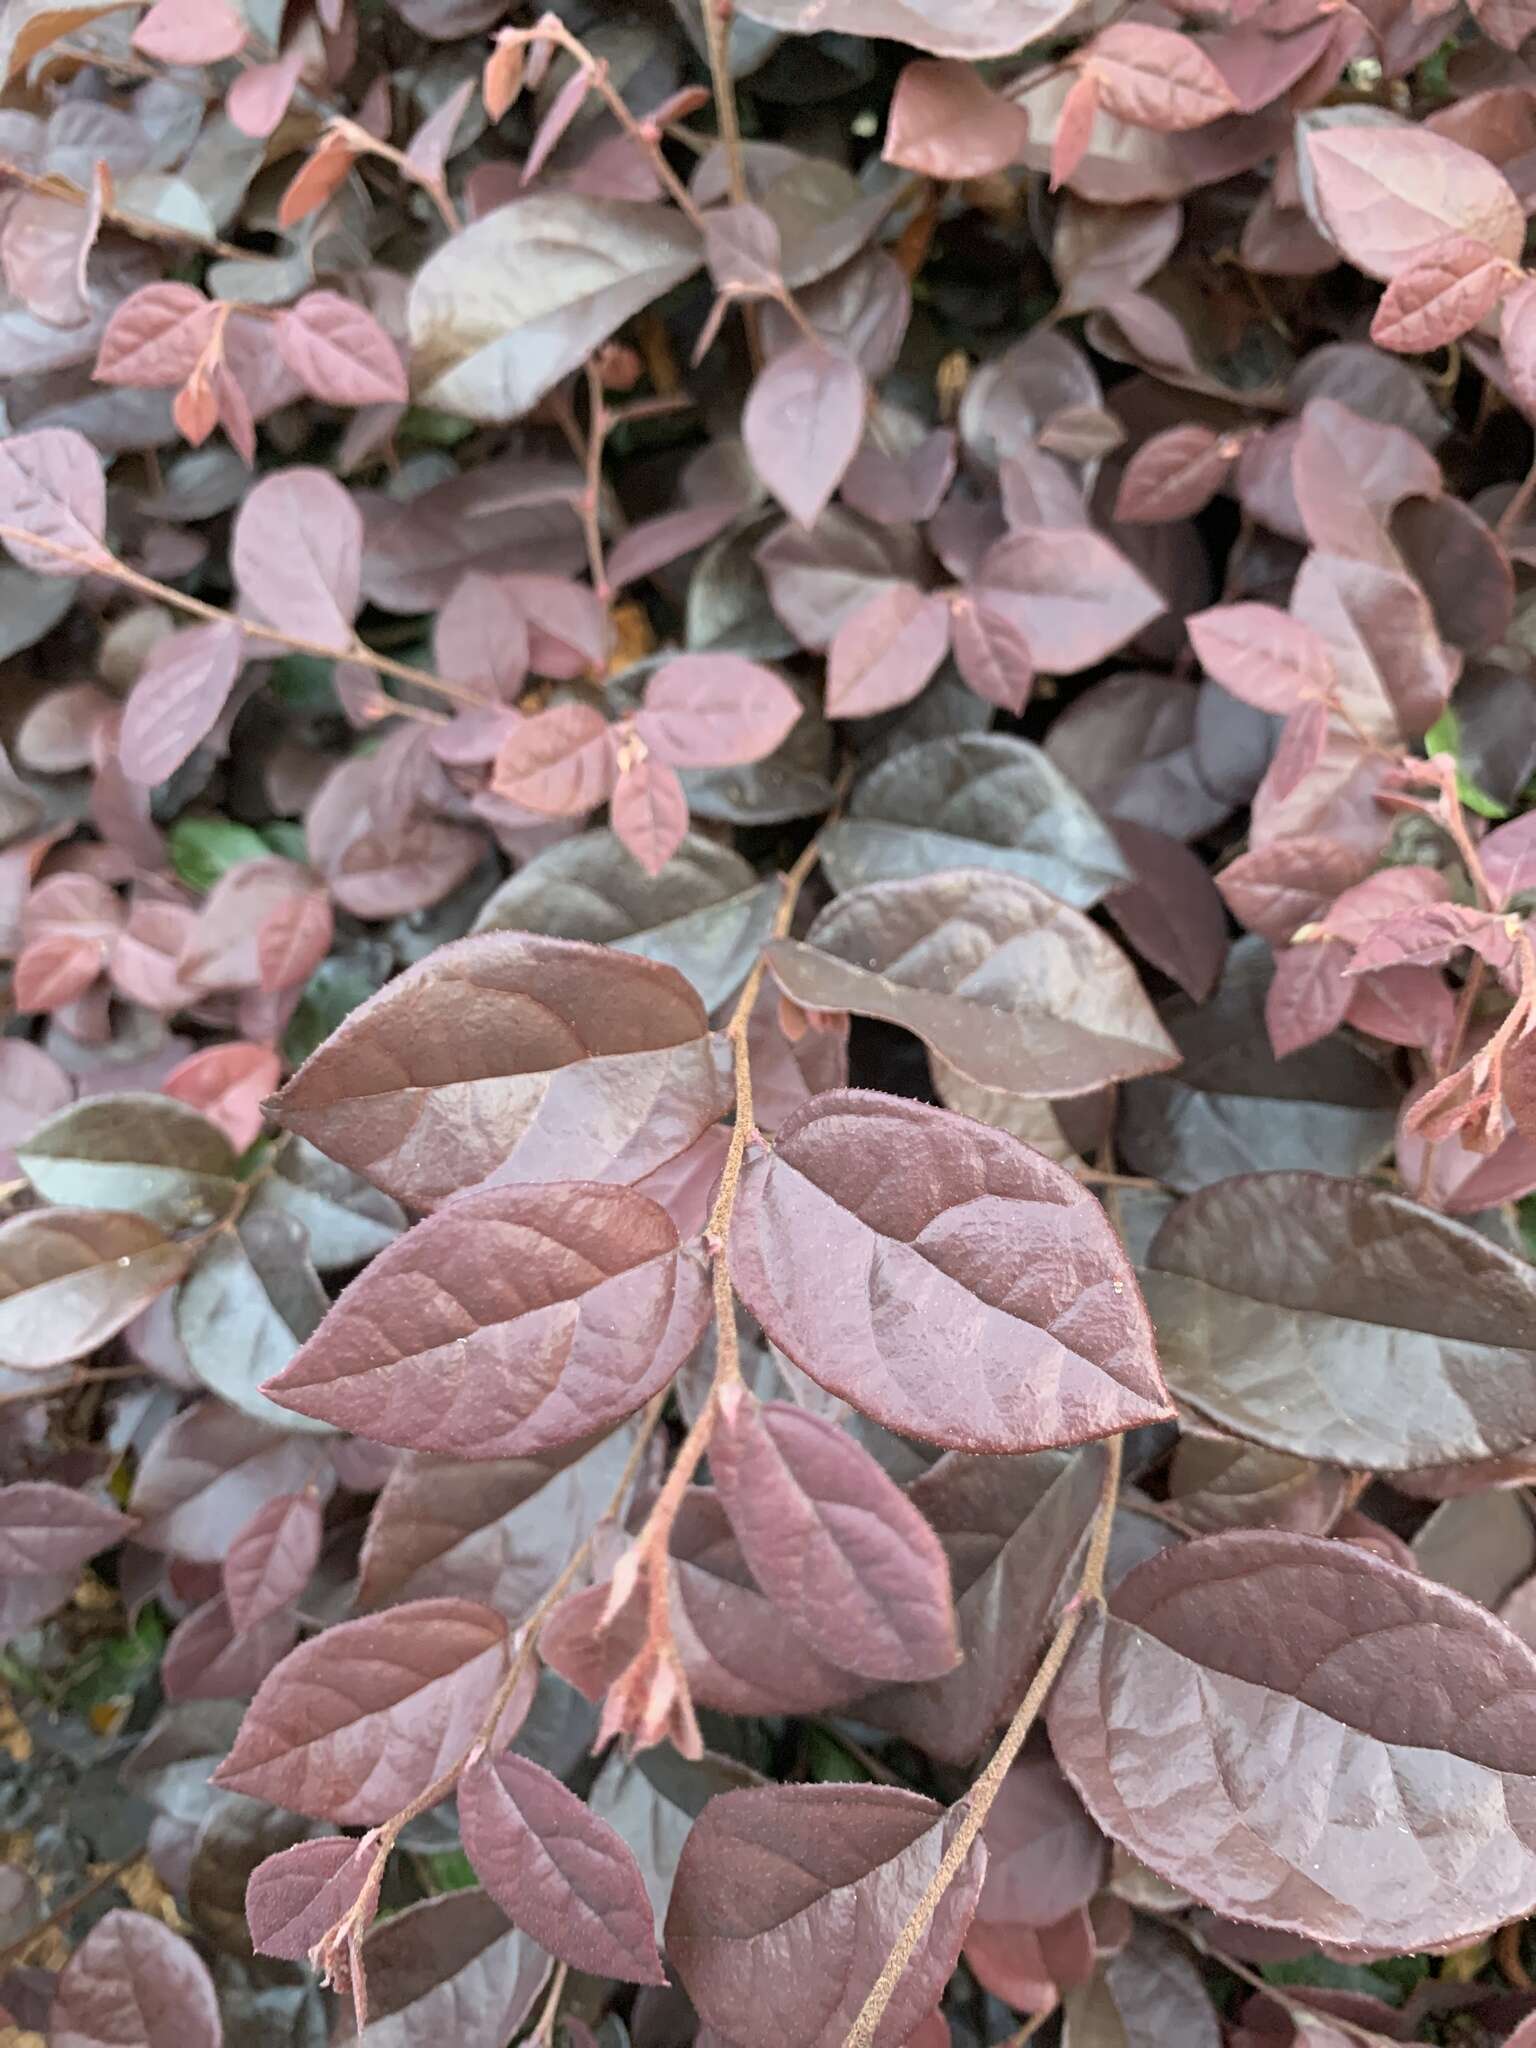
(286, 837)
(451, 1871)
(437, 429)
(828, 1763)
(202, 849)
(334, 991)
(304, 682)
(1444, 737)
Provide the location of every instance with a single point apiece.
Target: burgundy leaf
(298, 1895)
(884, 653)
(557, 1870)
(946, 122)
(46, 1528)
(849, 1247)
(270, 1561)
(1433, 934)
(513, 1320)
(496, 1053)
(450, 1969)
(358, 1720)
(209, 1658)
(1269, 1660)
(1174, 475)
(1309, 995)
(206, 1473)
(742, 247)
(339, 352)
(833, 1542)
(715, 711)
(1171, 912)
(789, 1899)
(1073, 598)
(649, 812)
(178, 700)
(132, 1983)
(803, 422)
(652, 544)
(560, 762)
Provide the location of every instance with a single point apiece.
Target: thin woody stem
(104, 564)
(717, 42)
(550, 29)
(598, 424)
(131, 223)
(543, 2035)
(977, 1803)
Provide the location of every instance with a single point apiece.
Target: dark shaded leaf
(134, 1152)
(132, 1983)
(450, 1968)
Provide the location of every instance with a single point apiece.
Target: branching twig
(977, 1803)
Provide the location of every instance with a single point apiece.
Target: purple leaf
(45, 1528)
(270, 1561)
(178, 700)
(513, 1320)
(298, 1895)
(802, 423)
(855, 1245)
(556, 1870)
(72, 1278)
(132, 1983)
(715, 711)
(649, 812)
(52, 485)
(884, 653)
(340, 353)
(297, 555)
(833, 1542)
(354, 1723)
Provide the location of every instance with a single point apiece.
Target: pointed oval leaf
(177, 701)
(450, 1969)
(1171, 912)
(1388, 193)
(1447, 289)
(270, 1561)
(1174, 475)
(298, 1895)
(339, 352)
(507, 308)
(52, 484)
(134, 1152)
(976, 800)
(1335, 1320)
(715, 711)
(557, 1870)
(1002, 981)
(884, 653)
(513, 1320)
(358, 1720)
(1156, 78)
(190, 32)
(297, 553)
(72, 1278)
(833, 1542)
(1072, 596)
(789, 1899)
(545, 1058)
(1302, 1735)
(155, 337)
(1262, 655)
(45, 1527)
(943, 1278)
(802, 424)
(946, 122)
(208, 1471)
(133, 1983)
(649, 812)
(559, 762)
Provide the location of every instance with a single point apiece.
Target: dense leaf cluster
(767, 814)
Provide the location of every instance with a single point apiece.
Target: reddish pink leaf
(190, 32)
(652, 543)
(1432, 935)
(1359, 910)
(557, 1870)
(53, 971)
(884, 653)
(1156, 78)
(316, 181)
(1174, 475)
(803, 422)
(513, 1320)
(178, 699)
(1262, 655)
(481, 637)
(339, 352)
(259, 97)
(1405, 1006)
(715, 711)
(155, 337)
(270, 1561)
(133, 1983)
(560, 762)
(1388, 194)
(991, 652)
(52, 484)
(45, 1528)
(1445, 290)
(229, 1084)
(358, 1720)
(568, 628)
(1309, 995)
(946, 122)
(292, 940)
(296, 1897)
(1074, 128)
(833, 1542)
(649, 812)
(1508, 856)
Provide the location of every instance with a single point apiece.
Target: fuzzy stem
(978, 1801)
